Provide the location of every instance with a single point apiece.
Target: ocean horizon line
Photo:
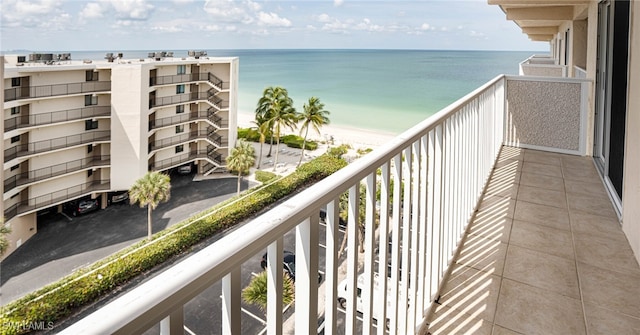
(12, 51)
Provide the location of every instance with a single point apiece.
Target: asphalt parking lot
(65, 243)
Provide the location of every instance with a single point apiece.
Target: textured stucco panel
(545, 114)
(544, 70)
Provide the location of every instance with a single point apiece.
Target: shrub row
(265, 176)
(292, 141)
(62, 298)
(295, 141)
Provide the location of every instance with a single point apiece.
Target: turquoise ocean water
(389, 90)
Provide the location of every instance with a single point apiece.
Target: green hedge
(295, 141)
(265, 176)
(62, 298)
(292, 141)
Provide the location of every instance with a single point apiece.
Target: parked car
(323, 218)
(342, 295)
(184, 169)
(118, 197)
(82, 206)
(289, 264)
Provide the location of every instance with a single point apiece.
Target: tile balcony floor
(545, 254)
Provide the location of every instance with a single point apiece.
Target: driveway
(64, 244)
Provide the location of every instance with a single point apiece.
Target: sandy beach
(357, 138)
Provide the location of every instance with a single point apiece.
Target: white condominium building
(84, 128)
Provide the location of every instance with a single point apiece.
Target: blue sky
(57, 25)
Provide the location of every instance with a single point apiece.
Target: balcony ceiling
(541, 19)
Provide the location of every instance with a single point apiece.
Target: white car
(342, 295)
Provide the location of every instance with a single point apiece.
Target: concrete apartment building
(77, 129)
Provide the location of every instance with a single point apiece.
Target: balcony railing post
(369, 240)
(173, 324)
(436, 236)
(352, 256)
(413, 265)
(231, 312)
(423, 200)
(405, 243)
(306, 318)
(383, 238)
(331, 266)
(274, 287)
(395, 242)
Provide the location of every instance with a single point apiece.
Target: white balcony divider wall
(431, 178)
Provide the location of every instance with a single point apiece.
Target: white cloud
(131, 9)
(273, 20)
(323, 18)
(338, 3)
(476, 34)
(167, 29)
(425, 26)
(92, 10)
(368, 26)
(230, 11)
(37, 14)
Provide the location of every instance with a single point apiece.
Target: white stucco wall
(129, 124)
(631, 188)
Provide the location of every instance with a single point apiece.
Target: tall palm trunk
(304, 144)
(260, 156)
(275, 162)
(270, 145)
(149, 226)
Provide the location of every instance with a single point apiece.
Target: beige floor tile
(510, 153)
(496, 206)
(619, 292)
(508, 166)
(446, 321)
(503, 184)
(590, 205)
(542, 157)
(551, 273)
(530, 310)
(542, 215)
(543, 239)
(471, 291)
(576, 162)
(542, 181)
(606, 253)
(498, 330)
(544, 169)
(601, 321)
(597, 225)
(494, 228)
(505, 190)
(589, 175)
(590, 189)
(483, 254)
(542, 196)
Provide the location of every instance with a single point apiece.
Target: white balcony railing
(542, 66)
(430, 180)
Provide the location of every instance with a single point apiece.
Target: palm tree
(4, 231)
(153, 188)
(256, 292)
(274, 101)
(266, 105)
(314, 116)
(285, 117)
(241, 159)
(262, 127)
